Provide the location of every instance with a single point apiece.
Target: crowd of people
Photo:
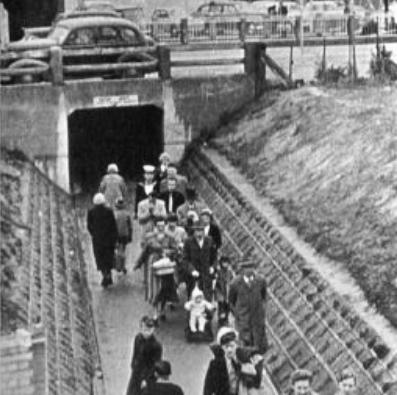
(181, 243)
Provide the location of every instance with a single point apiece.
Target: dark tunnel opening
(128, 136)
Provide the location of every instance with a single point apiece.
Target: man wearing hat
(192, 205)
(113, 186)
(198, 261)
(247, 296)
(226, 373)
(210, 228)
(162, 385)
(301, 383)
(102, 227)
(149, 185)
(149, 210)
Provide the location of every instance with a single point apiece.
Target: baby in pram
(198, 307)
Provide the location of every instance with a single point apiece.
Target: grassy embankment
(327, 158)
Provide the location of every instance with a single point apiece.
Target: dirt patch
(327, 160)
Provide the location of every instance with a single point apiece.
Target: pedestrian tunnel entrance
(128, 136)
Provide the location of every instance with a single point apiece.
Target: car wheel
(35, 71)
(132, 58)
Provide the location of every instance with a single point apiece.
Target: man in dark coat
(211, 228)
(198, 261)
(247, 296)
(162, 386)
(147, 351)
(102, 226)
(172, 198)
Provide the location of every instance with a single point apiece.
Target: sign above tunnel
(115, 101)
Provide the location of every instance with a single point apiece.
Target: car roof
(89, 21)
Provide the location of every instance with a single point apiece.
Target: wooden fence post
(164, 57)
(56, 65)
(184, 31)
(291, 62)
(242, 29)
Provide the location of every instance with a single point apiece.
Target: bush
(331, 74)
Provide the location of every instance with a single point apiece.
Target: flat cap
(162, 368)
(198, 225)
(301, 374)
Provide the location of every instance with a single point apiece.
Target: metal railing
(191, 31)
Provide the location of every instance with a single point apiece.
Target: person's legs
(192, 322)
(201, 323)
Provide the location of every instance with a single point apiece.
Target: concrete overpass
(74, 129)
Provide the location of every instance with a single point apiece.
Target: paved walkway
(118, 310)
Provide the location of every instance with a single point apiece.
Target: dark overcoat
(216, 380)
(200, 259)
(102, 226)
(215, 233)
(248, 305)
(145, 354)
(177, 200)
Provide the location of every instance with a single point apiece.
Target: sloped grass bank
(327, 158)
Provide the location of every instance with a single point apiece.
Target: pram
(197, 337)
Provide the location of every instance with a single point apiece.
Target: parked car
(84, 41)
(165, 23)
(224, 18)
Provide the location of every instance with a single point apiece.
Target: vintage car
(165, 23)
(84, 41)
(224, 18)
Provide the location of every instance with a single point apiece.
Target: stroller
(206, 335)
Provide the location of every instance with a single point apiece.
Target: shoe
(124, 271)
(163, 317)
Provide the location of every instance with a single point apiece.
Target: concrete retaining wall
(34, 117)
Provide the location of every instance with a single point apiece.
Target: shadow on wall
(201, 103)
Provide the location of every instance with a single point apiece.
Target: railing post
(184, 31)
(56, 65)
(164, 57)
(242, 29)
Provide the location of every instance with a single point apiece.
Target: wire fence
(273, 28)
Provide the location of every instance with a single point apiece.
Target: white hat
(112, 168)
(148, 168)
(99, 198)
(196, 292)
(164, 155)
(225, 330)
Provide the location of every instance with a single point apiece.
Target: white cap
(99, 198)
(148, 168)
(224, 330)
(112, 168)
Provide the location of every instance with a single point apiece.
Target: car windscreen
(58, 33)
